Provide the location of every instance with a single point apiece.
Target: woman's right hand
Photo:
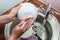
(19, 29)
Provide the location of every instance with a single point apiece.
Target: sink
(49, 31)
(43, 31)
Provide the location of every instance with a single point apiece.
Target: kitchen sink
(49, 31)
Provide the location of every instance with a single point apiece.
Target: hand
(14, 12)
(24, 1)
(19, 29)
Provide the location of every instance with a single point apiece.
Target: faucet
(46, 11)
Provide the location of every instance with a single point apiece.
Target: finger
(26, 0)
(27, 22)
(26, 27)
(24, 24)
(18, 6)
(32, 23)
(13, 18)
(20, 24)
(26, 19)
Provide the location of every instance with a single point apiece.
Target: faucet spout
(47, 12)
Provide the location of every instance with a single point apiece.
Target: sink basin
(50, 31)
(45, 32)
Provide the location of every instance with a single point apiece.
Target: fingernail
(32, 23)
(27, 19)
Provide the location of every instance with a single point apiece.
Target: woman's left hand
(14, 12)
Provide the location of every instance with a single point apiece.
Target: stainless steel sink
(50, 31)
(45, 32)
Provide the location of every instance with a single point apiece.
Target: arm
(12, 38)
(5, 19)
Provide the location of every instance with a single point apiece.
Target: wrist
(10, 17)
(12, 37)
